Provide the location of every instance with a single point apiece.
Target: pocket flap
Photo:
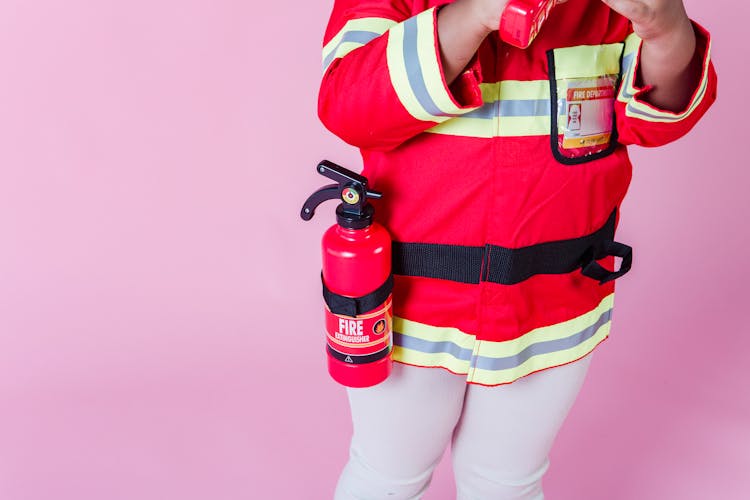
(588, 60)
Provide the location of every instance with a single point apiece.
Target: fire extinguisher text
(350, 327)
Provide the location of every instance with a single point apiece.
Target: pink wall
(160, 324)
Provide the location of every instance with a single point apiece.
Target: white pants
(500, 436)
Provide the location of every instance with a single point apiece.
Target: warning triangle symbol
(349, 359)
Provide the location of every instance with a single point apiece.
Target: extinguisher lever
(354, 212)
(329, 192)
(340, 174)
(346, 177)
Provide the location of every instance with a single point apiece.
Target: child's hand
(669, 62)
(652, 18)
(462, 26)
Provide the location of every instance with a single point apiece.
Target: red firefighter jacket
(524, 147)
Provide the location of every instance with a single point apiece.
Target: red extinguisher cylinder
(357, 281)
(356, 262)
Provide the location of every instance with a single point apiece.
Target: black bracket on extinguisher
(354, 212)
(354, 306)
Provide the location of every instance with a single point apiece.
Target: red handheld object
(522, 20)
(356, 265)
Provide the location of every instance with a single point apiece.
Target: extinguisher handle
(354, 212)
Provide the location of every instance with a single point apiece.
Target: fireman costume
(488, 181)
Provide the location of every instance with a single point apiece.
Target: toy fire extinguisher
(522, 19)
(357, 281)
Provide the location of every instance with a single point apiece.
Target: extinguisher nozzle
(329, 192)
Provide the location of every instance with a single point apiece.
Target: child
(502, 215)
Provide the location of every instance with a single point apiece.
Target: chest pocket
(583, 87)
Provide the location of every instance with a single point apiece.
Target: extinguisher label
(361, 335)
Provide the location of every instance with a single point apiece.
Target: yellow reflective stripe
(439, 346)
(508, 126)
(399, 78)
(543, 334)
(495, 118)
(466, 127)
(490, 92)
(629, 58)
(514, 108)
(641, 110)
(588, 60)
(632, 44)
(439, 359)
(430, 64)
(539, 362)
(636, 109)
(518, 90)
(413, 65)
(486, 126)
(493, 363)
(355, 33)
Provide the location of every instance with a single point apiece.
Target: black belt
(507, 266)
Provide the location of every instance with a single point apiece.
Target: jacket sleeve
(644, 124)
(383, 80)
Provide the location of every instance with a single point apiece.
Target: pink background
(160, 319)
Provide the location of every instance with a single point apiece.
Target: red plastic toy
(357, 281)
(522, 20)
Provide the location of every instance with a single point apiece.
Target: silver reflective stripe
(626, 63)
(511, 108)
(668, 116)
(488, 111)
(508, 362)
(414, 69)
(421, 345)
(362, 37)
(636, 111)
(537, 107)
(544, 347)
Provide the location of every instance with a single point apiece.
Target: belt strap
(508, 266)
(353, 306)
